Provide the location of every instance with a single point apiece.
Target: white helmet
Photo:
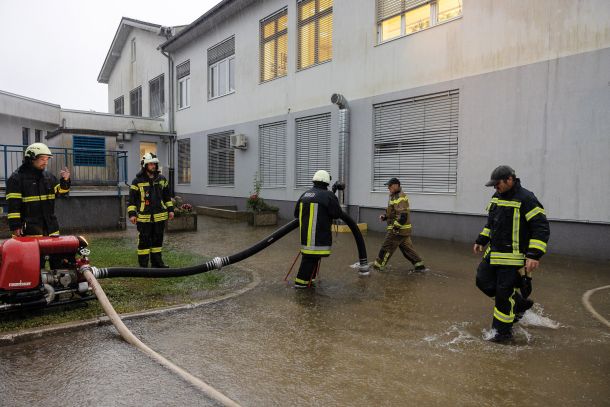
(149, 158)
(321, 176)
(36, 149)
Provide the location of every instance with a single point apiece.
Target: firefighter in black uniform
(150, 205)
(316, 209)
(517, 233)
(31, 193)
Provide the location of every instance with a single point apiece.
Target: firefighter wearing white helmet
(315, 209)
(150, 206)
(31, 193)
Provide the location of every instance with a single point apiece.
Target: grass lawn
(126, 294)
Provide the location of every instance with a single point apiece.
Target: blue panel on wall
(89, 151)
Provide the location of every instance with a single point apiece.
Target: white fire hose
(589, 307)
(132, 339)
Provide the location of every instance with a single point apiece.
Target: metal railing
(89, 167)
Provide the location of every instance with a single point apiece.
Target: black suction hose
(219, 262)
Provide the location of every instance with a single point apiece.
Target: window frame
(138, 91)
(161, 80)
(315, 18)
(181, 167)
(25, 136)
(185, 80)
(122, 100)
(133, 49)
(212, 82)
(228, 135)
(403, 23)
(267, 150)
(275, 37)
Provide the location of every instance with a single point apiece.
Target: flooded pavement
(392, 338)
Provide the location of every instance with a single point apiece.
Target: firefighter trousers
(150, 243)
(391, 243)
(501, 282)
(308, 270)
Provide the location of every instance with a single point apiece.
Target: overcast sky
(53, 50)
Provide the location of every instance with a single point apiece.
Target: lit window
(315, 28)
(396, 18)
(274, 46)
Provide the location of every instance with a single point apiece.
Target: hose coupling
(217, 262)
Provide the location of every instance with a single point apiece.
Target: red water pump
(26, 283)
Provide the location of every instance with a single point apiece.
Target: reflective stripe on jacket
(517, 228)
(316, 209)
(149, 198)
(397, 214)
(30, 195)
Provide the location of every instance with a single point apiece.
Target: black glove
(526, 286)
(338, 186)
(384, 217)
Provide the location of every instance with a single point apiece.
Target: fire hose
(92, 273)
(587, 303)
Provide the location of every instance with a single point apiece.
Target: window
(183, 72)
(221, 69)
(221, 159)
(119, 105)
(25, 136)
(313, 147)
(416, 140)
(37, 136)
(315, 28)
(157, 96)
(272, 154)
(274, 46)
(184, 161)
(135, 102)
(397, 18)
(133, 50)
(89, 151)
(146, 147)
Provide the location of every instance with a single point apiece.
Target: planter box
(265, 218)
(182, 222)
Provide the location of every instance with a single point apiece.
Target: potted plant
(184, 217)
(262, 214)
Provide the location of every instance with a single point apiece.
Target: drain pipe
(341, 102)
(170, 117)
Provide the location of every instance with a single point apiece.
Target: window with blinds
(416, 140)
(183, 72)
(184, 161)
(221, 68)
(89, 151)
(221, 159)
(157, 96)
(272, 154)
(119, 105)
(315, 31)
(274, 46)
(312, 147)
(135, 102)
(397, 18)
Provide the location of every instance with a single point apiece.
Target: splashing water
(535, 317)
(455, 335)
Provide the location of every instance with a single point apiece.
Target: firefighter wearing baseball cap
(315, 209)
(150, 205)
(398, 229)
(516, 235)
(31, 193)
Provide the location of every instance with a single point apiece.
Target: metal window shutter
(312, 147)
(184, 69)
(184, 161)
(221, 159)
(272, 154)
(89, 151)
(416, 140)
(221, 51)
(390, 8)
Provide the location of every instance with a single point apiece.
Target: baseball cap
(392, 181)
(500, 173)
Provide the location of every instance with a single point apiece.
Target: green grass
(126, 294)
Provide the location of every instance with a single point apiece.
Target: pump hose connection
(219, 262)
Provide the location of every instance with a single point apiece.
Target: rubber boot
(143, 260)
(156, 261)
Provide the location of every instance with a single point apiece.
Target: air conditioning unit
(239, 141)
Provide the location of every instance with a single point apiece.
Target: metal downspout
(170, 114)
(344, 131)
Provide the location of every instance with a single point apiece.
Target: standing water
(392, 338)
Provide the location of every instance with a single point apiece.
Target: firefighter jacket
(30, 194)
(316, 209)
(149, 198)
(397, 214)
(516, 228)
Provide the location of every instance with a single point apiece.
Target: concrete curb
(34, 333)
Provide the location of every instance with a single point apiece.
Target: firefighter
(150, 205)
(398, 229)
(316, 209)
(516, 235)
(31, 193)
